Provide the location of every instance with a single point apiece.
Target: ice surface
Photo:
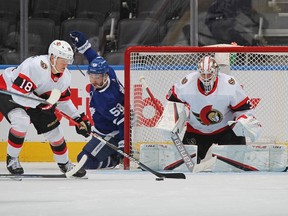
(136, 193)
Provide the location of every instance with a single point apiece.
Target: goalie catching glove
(247, 126)
(80, 41)
(85, 126)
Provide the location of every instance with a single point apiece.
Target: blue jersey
(107, 104)
(107, 107)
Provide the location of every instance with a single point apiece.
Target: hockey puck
(159, 179)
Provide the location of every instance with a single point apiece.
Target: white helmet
(208, 72)
(62, 49)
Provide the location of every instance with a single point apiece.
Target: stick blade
(54, 96)
(77, 167)
(174, 175)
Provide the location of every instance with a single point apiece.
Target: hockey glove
(247, 126)
(85, 127)
(80, 41)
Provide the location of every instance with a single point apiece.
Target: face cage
(208, 83)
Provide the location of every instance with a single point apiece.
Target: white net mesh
(263, 76)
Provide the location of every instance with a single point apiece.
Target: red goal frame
(177, 49)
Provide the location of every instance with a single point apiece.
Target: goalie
(220, 110)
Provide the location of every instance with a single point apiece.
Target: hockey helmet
(98, 66)
(208, 72)
(62, 49)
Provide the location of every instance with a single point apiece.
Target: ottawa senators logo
(209, 116)
(184, 80)
(231, 81)
(43, 65)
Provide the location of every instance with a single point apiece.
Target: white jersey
(33, 77)
(209, 113)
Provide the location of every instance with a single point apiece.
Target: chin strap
(53, 65)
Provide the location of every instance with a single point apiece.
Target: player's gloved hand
(80, 41)
(44, 106)
(85, 127)
(247, 126)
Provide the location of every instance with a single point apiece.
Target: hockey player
(220, 111)
(36, 77)
(106, 106)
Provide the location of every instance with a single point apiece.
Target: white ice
(136, 193)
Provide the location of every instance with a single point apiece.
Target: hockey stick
(37, 176)
(11, 176)
(158, 174)
(68, 174)
(53, 98)
(206, 163)
(182, 151)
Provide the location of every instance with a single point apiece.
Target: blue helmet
(98, 66)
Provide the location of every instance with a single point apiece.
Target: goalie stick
(68, 174)
(53, 98)
(158, 174)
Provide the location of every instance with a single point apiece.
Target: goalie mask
(98, 72)
(208, 72)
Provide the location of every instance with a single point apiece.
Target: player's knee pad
(19, 119)
(55, 137)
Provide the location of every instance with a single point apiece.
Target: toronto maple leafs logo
(92, 110)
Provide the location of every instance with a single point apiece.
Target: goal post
(262, 72)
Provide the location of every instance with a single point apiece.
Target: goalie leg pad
(237, 158)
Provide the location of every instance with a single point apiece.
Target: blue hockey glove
(80, 41)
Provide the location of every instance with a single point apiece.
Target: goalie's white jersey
(34, 78)
(209, 113)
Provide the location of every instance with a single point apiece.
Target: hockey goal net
(262, 71)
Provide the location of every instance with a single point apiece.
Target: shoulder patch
(231, 81)
(184, 80)
(43, 65)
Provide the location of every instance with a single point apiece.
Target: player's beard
(103, 84)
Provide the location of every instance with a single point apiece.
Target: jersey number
(116, 111)
(26, 85)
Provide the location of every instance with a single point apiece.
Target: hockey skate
(13, 165)
(69, 166)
